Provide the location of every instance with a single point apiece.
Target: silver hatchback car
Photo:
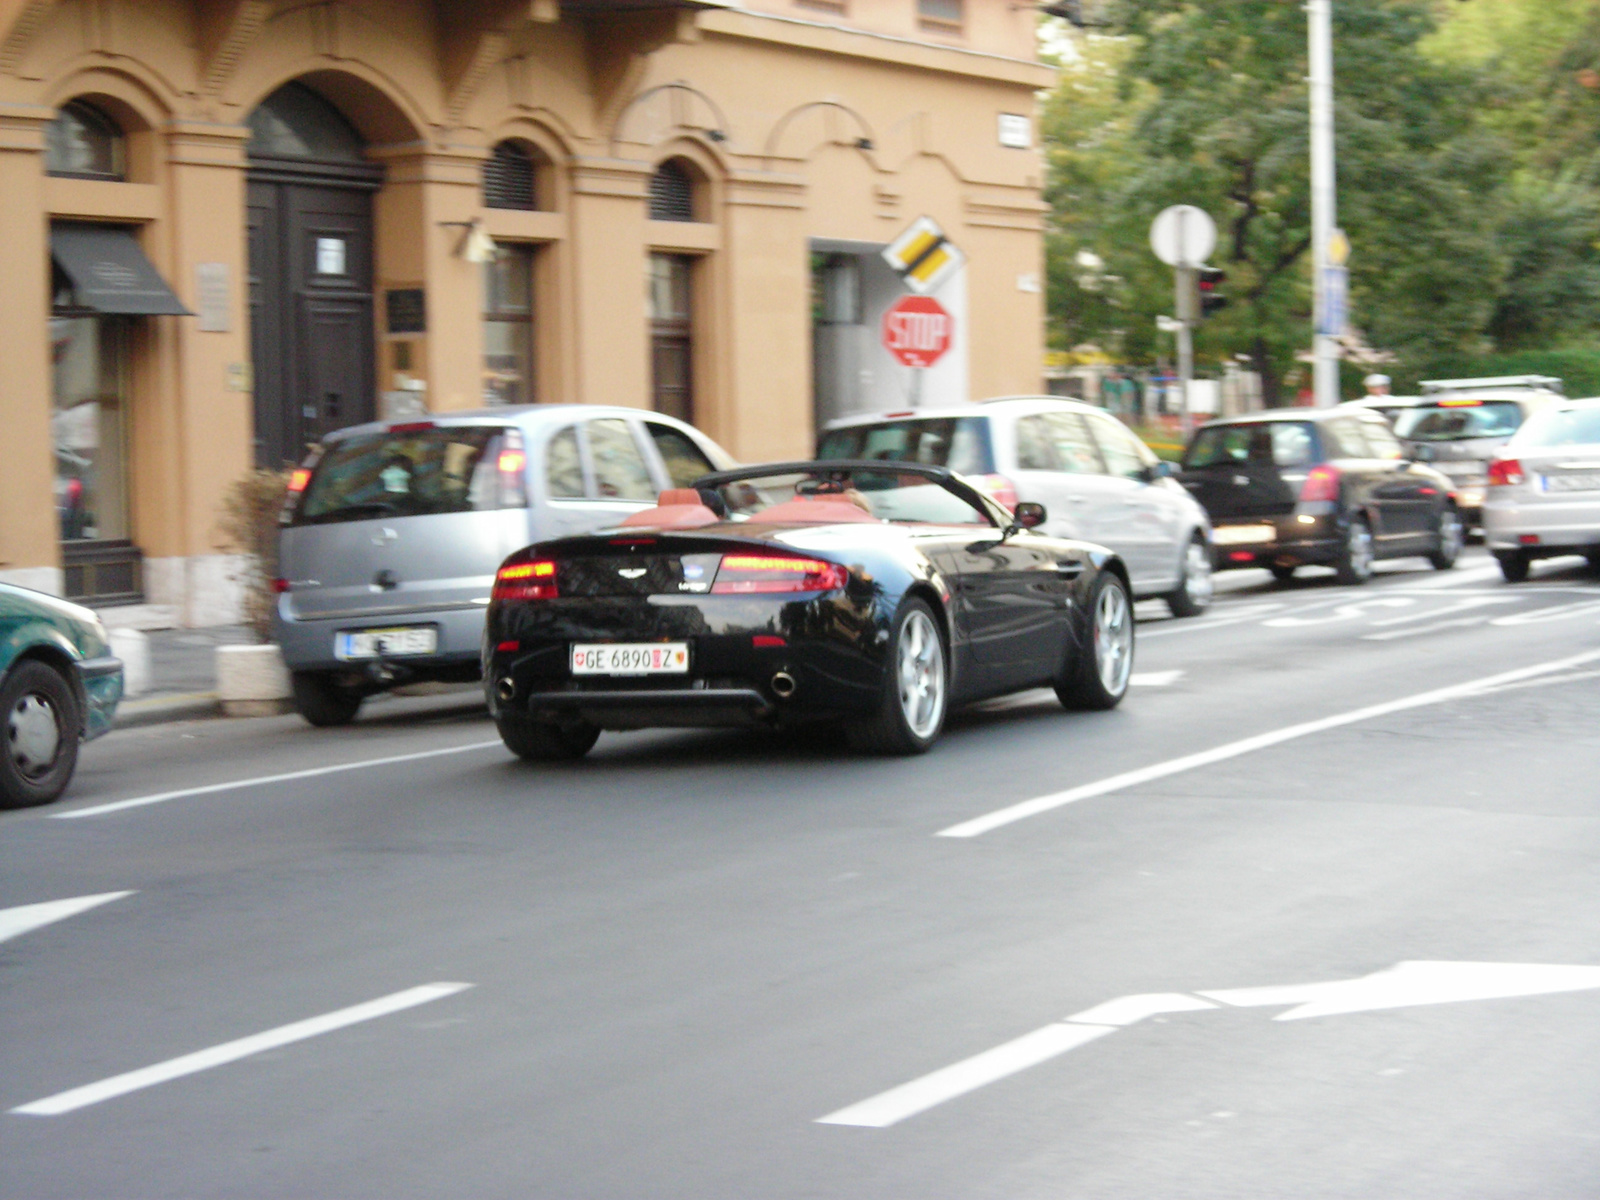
(393, 532)
(1544, 490)
(1097, 481)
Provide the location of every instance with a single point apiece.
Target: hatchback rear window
(960, 443)
(412, 473)
(1458, 420)
(1569, 427)
(1270, 443)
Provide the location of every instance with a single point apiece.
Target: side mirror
(1028, 515)
(1160, 470)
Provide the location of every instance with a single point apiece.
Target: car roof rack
(1543, 383)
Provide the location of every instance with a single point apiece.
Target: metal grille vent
(671, 193)
(508, 178)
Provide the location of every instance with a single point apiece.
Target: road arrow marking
(25, 918)
(216, 1056)
(1403, 985)
(1408, 984)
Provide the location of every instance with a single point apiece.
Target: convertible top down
(871, 595)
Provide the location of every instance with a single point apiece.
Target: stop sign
(916, 330)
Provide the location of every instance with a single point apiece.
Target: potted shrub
(251, 678)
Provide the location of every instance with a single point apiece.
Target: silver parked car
(1544, 490)
(1097, 481)
(393, 532)
(1460, 424)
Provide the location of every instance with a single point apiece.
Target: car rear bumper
(1560, 526)
(1294, 541)
(101, 679)
(308, 645)
(656, 708)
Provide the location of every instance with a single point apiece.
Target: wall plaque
(407, 310)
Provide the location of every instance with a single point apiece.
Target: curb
(156, 710)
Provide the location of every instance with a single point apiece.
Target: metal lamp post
(1328, 274)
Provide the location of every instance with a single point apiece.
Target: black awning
(109, 272)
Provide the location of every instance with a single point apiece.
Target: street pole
(1186, 302)
(1324, 212)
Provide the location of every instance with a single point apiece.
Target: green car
(59, 685)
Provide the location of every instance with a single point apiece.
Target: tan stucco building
(227, 226)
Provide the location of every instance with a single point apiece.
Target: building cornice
(826, 38)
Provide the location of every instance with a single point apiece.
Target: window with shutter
(672, 193)
(510, 178)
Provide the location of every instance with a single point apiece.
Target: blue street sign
(1334, 301)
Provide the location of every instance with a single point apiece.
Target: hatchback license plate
(385, 643)
(1243, 535)
(630, 658)
(1586, 481)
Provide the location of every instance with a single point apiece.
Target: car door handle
(1241, 481)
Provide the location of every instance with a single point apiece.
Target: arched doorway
(311, 321)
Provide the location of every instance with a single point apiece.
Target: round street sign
(1183, 236)
(917, 330)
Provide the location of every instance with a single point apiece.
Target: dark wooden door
(311, 316)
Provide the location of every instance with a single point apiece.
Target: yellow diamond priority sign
(923, 256)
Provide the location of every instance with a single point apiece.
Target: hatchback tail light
(742, 574)
(525, 581)
(1505, 472)
(1000, 489)
(299, 479)
(1322, 484)
(511, 465)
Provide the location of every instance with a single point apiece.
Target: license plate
(1243, 535)
(385, 643)
(630, 658)
(1588, 481)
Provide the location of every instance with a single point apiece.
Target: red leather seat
(676, 508)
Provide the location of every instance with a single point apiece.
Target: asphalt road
(686, 951)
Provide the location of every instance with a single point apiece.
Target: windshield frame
(843, 467)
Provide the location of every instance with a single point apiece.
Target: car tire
(1354, 564)
(545, 741)
(1514, 565)
(1451, 535)
(1096, 673)
(916, 687)
(1195, 587)
(321, 701)
(1594, 560)
(40, 725)
(1283, 572)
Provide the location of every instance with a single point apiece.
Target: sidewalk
(183, 677)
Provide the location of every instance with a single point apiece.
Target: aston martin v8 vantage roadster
(869, 595)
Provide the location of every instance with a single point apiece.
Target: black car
(1334, 487)
(863, 594)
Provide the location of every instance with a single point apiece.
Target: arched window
(84, 143)
(295, 122)
(672, 193)
(511, 177)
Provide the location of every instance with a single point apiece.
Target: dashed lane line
(227, 1052)
(25, 918)
(1175, 766)
(100, 810)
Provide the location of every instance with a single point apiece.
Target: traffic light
(1210, 281)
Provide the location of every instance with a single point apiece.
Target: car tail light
(412, 427)
(746, 573)
(525, 581)
(1505, 472)
(299, 479)
(1000, 489)
(279, 586)
(508, 647)
(767, 641)
(1321, 484)
(511, 464)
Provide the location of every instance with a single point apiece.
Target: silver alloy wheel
(1113, 639)
(1197, 580)
(1452, 534)
(33, 735)
(1359, 543)
(921, 670)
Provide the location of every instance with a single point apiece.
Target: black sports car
(866, 594)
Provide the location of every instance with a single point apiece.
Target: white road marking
(1154, 678)
(1558, 612)
(1419, 630)
(1409, 984)
(216, 1056)
(1244, 613)
(14, 922)
(907, 1100)
(1345, 612)
(100, 810)
(1404, 985)
(1463, 605)
(1188, 762)
(1548, 681)
(1460, 577)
